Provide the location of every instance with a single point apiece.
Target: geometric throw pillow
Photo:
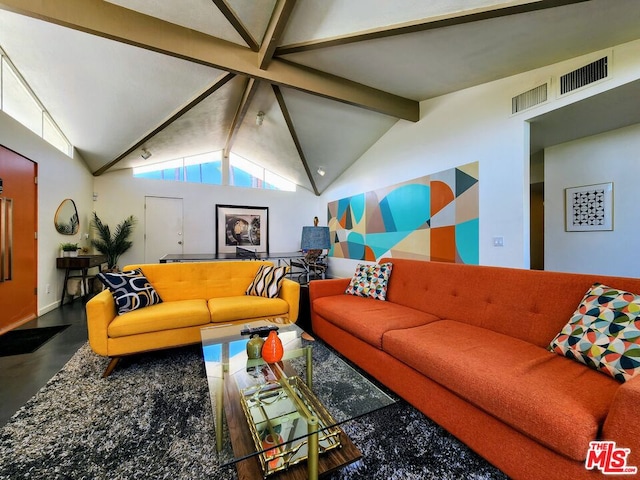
(370, 281)
(604, 332)
(267, 281)
(131, 290)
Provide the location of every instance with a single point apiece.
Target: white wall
(121, 195)
(59, 177)
(609, 157)
(476, 125)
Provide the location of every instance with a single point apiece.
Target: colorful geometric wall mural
(433, 217)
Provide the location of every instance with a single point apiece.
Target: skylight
(208, 168)
(18, 100)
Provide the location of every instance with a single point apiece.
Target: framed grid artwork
(589, 208)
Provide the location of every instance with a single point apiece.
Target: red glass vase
(272, 350)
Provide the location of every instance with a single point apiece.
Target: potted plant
(112, 245)
(69, 249)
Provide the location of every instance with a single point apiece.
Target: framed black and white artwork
(589, 208)
(242, 226)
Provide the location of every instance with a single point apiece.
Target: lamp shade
(315, 238)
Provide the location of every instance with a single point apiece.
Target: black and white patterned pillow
(267, 281)
(131, 290)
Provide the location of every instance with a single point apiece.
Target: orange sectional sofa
(467, 345)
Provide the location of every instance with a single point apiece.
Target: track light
(321, 171)
(145, 153)
(260, 118)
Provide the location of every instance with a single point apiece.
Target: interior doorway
(163, 223)
(536, 218)
(18, 242)
(536, 211)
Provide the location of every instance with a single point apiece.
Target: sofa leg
(111, 367)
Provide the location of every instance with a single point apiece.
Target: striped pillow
(267, 281)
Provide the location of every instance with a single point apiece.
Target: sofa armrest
(620, 424)
(101, 310)
(290, 292)
(327, 288)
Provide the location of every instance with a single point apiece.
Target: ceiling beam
(235, 21)
(219, 83)
(440, 21)
(276, 26)
(249, 91)
(111, 21)
(294, 136)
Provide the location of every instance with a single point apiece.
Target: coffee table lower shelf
(243, 445)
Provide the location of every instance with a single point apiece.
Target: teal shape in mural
(468, 241)
(381, 243)
(351, 211)
(387, 216)
(406, 208)
(356, 246)
(357, 207)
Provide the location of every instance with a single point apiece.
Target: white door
(162, 227)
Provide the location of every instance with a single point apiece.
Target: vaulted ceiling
(183, 77)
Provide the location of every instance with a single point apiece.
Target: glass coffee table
(284, 418)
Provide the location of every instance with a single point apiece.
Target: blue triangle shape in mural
(464, 182)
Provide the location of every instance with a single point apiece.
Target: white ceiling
(112, 99)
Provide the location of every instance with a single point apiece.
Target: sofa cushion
(366, 318)
(201, 280)
(604, 332)
(163, 316)
(225, 309)
(130, 289)
(560, 403)
(370, 281)
(267, 281)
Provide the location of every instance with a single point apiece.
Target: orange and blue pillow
(131, 290)
(604, 332)
(370, 281)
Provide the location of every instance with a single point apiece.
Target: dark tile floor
(21, 376)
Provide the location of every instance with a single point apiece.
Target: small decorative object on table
(254, 346)
(272, 350)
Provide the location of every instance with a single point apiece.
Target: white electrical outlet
(48, 288)
(498, 241)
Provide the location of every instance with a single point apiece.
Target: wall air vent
(529, 99)
(584, 76)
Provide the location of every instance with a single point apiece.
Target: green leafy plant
(69, 247)
(112, 245)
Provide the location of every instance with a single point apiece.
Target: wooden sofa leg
(111, 367)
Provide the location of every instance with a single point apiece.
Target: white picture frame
(589, 208)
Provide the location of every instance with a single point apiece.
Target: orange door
(18, 244)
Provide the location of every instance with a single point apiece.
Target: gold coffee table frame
(229, 378)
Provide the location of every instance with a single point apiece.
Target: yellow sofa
(193, 295)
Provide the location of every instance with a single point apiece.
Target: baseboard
(48, 308)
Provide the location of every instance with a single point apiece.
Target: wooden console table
(82, 263)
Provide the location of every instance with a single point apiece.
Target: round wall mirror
(67, 221)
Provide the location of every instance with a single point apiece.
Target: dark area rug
(27, 340)
(152, 418)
